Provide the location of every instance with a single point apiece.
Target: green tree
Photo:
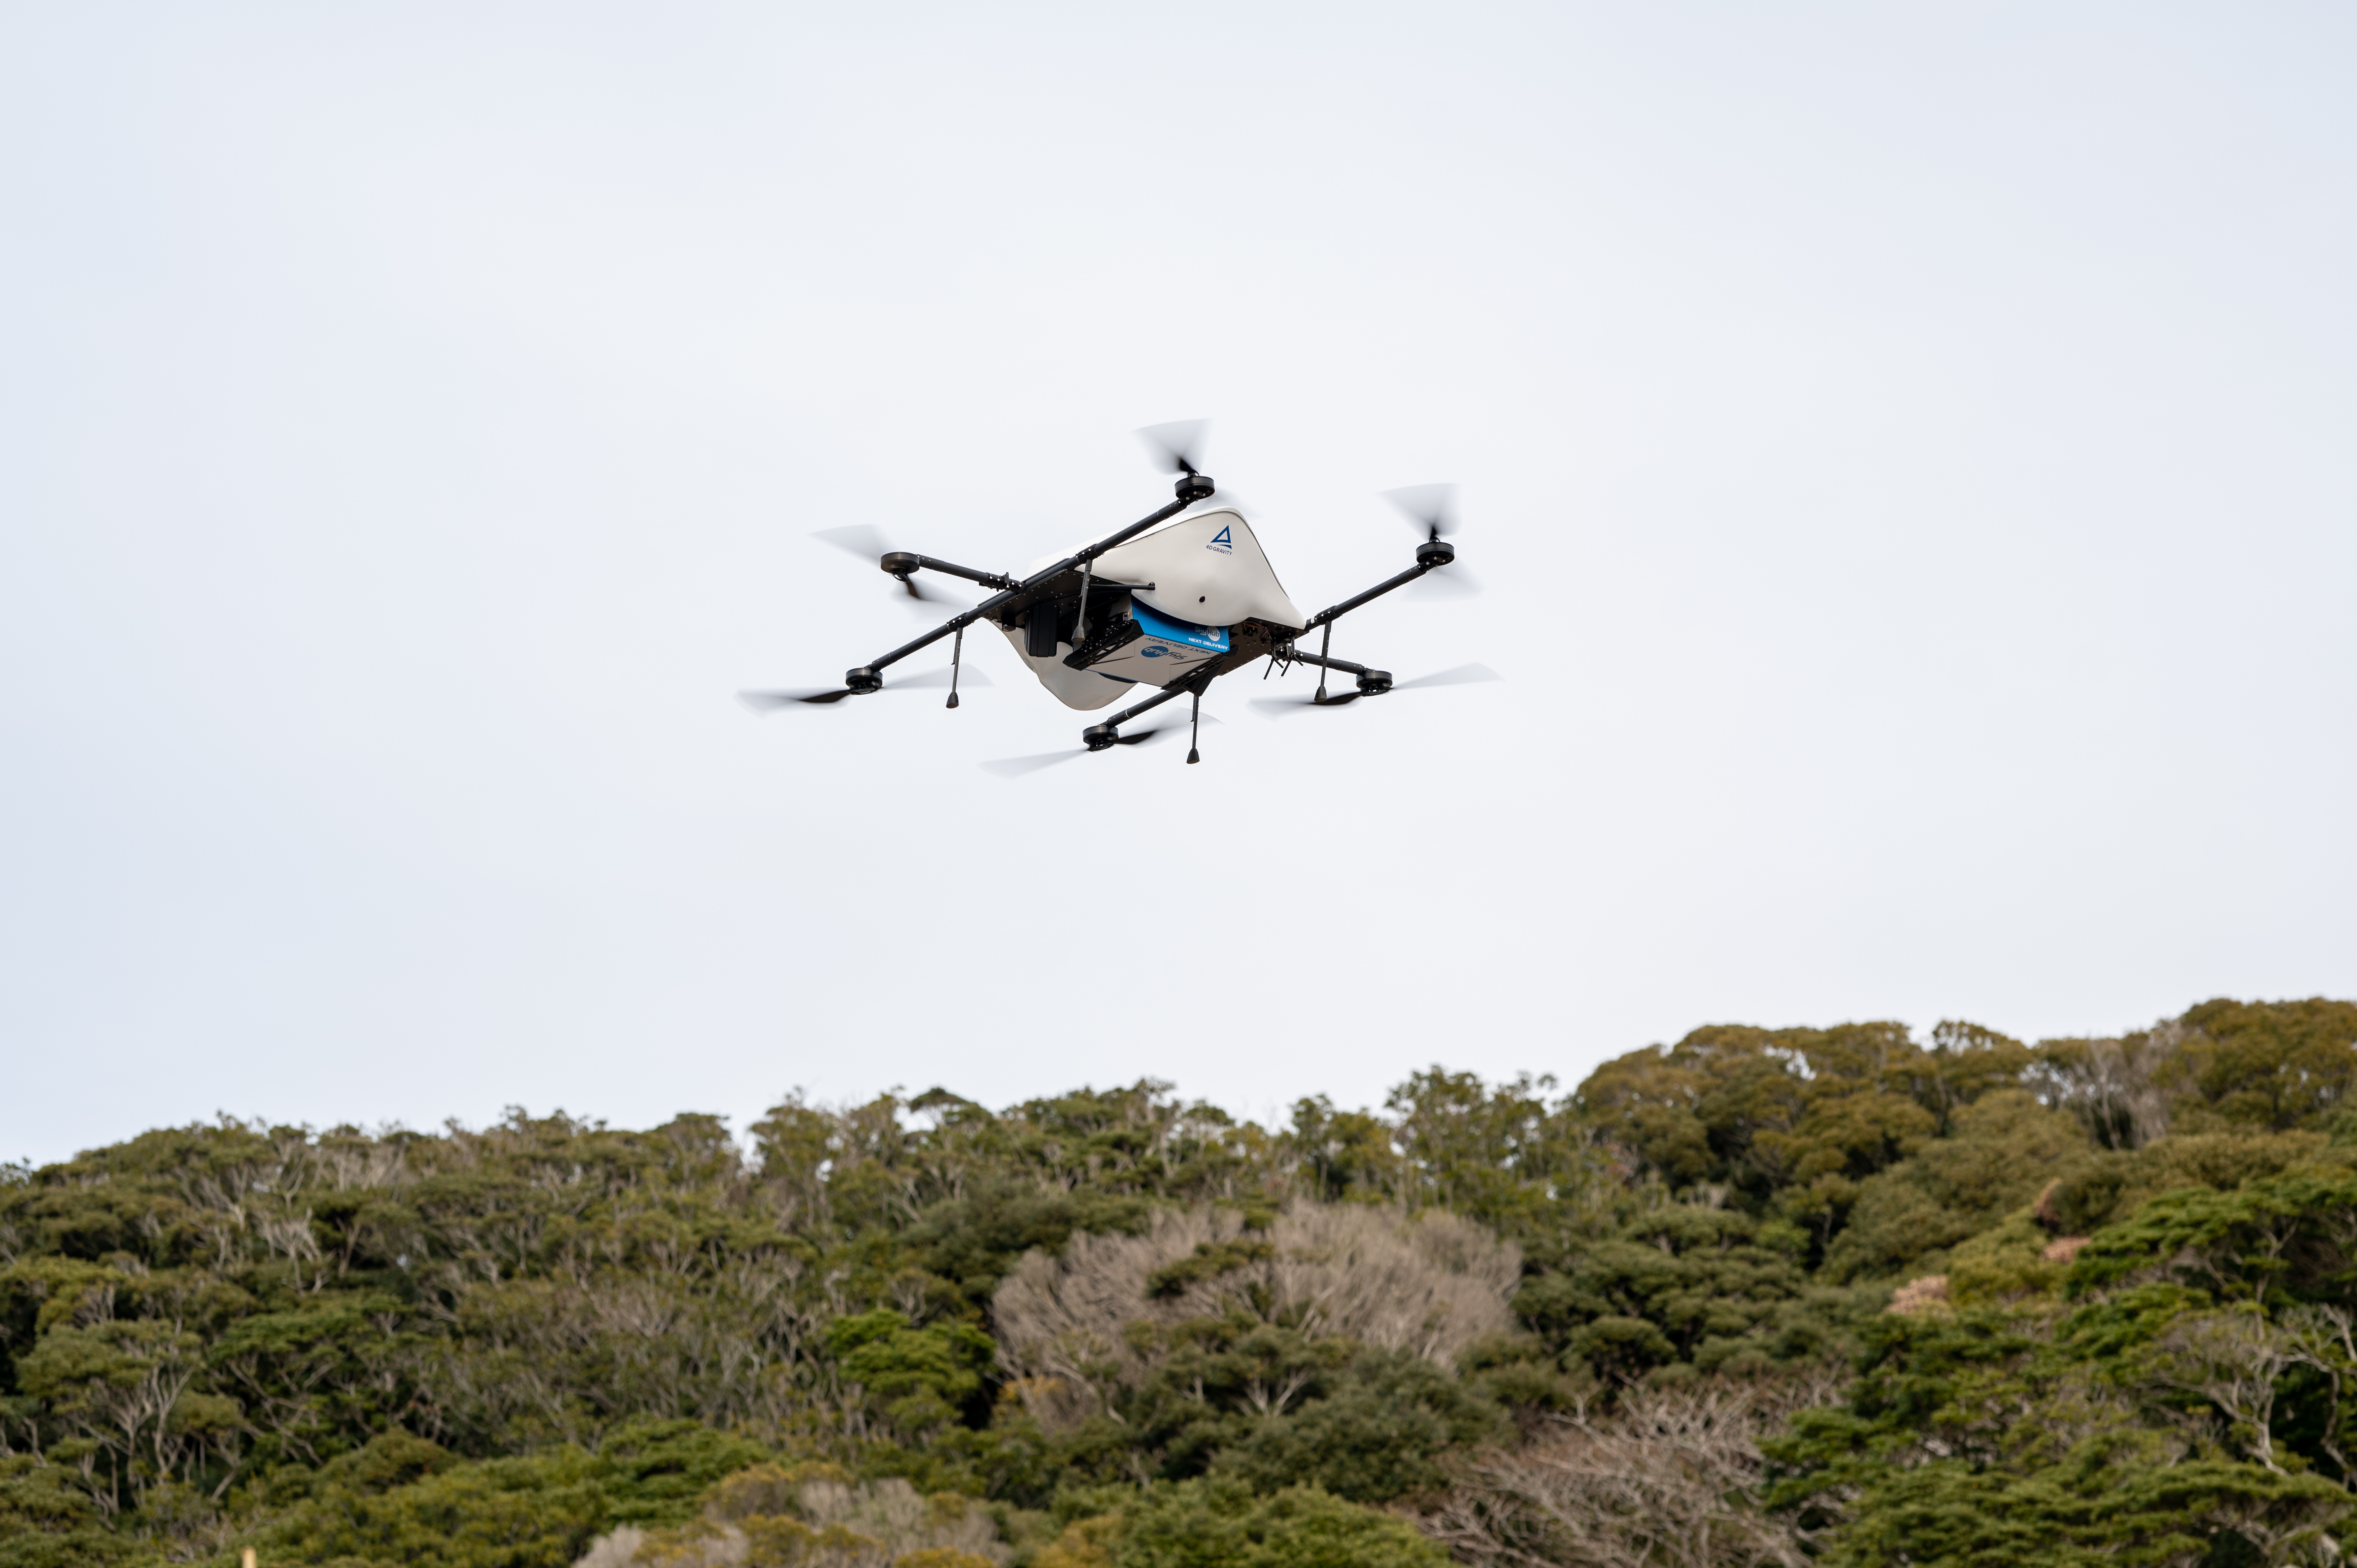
(2270, 1067)
(1216, 1524)
(2004, 1148)
(2175, 1404)
(920, 1376)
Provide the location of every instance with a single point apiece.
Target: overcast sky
(1907, 450)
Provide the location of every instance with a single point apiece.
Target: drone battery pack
(1164, 648)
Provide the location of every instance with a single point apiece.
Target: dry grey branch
(1668, 1480)
(1427, 1286)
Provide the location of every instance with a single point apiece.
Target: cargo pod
(1161, 649)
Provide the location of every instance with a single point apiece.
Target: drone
(1167, 605)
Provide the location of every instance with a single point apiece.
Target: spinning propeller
(1285, 707)
(1016, 767)
(864, 542)
(1432, 508)
(1180, 443)
(767, 702)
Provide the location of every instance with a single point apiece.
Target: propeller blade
(1445, 583)
(770, 701)
(1173, 727)
(1226, 499)
(939, 677)
(1429, 507)
(871, 546)
(1285, 707)
(928, 592)
(931, 595)
(1016, 767)
(1464, 674)
(1180, 443)
(859, 539)
(931, 606)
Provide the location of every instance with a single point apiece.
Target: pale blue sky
(1908, 447)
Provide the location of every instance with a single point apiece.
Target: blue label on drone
(1221, 538)
(1212, 639)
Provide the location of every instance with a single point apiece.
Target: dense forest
(1840, 1296)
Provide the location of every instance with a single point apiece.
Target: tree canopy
(1840, 1293)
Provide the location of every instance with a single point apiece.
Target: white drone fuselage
(1209, 576)
(1172, 602)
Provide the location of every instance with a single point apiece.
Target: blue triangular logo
(1221, 538)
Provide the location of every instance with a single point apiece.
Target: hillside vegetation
(1761, 1296)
